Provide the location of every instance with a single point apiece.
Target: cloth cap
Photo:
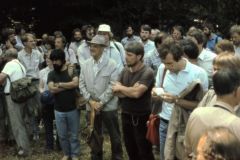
(104, 28)
(98, 39)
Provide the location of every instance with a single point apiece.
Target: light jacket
(99, 87)
(174, 147)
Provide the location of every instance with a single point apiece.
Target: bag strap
(155, 107)
(216, 40)
(164, 74)
(216, 105)
(21, 70)
(9, 79)
(20, 67)
(119, 52)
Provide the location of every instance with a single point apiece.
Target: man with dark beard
(134, 90)
(8, 38)
(63, 86)
(83, 51)
(212, 38)
(76, 40)
(130, 37)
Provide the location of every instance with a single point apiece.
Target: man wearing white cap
(96, 86)
(114, 50)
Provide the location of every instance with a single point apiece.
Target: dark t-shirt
(141, 105)
(65, 101)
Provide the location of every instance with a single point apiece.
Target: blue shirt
(176, 83)
(213, 41)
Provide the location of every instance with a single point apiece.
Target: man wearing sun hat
(98, 74)
(114, 49)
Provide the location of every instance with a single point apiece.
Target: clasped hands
(97, 106)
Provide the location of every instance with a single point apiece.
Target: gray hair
(235, 29)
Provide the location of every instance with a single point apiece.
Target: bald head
(11, 53)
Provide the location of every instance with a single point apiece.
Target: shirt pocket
(36, 64)
(104, 80)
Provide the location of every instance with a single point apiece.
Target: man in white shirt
(145, 34)
(83, 51)
(179, 74)
(206, 56)
(70, 56)
(76, 40)
(13, 71)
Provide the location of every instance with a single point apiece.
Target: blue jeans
(67, 127)
(163, 127)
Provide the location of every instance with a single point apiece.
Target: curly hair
(227, 60)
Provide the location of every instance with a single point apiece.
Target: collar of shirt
(187, 67)
(202, 54)
(85, 44)
(28, 54)
(49, 69)
(147, 43)
(213, 37)
(226, 106)
(111, 45)
(15, 60)
(131, 38)
(99, 61)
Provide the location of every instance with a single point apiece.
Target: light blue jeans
(67, 127)
(163, 127)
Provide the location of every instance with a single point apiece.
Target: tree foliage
(48, 15)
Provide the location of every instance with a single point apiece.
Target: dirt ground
(9, 152)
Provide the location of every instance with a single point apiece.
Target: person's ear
(139, 57)
(237, 92)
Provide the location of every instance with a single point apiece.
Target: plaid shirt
(152, 60)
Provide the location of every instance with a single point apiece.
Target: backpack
(22, 89)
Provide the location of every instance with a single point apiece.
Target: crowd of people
(190, 80)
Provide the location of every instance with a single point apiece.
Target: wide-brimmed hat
(104, 28)
(100, 40)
